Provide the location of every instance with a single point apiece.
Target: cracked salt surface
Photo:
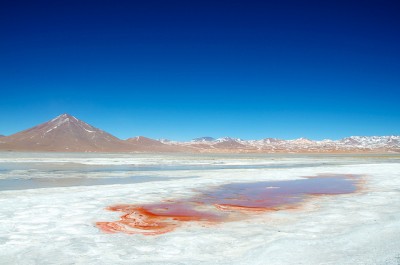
(57, 225)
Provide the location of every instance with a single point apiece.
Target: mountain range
(65, 133)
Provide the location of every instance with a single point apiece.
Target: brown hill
(141, 143)
(141, 140)
(64, 133)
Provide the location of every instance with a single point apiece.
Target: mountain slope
(66, 133)
(63, 133)
(203, 139)
(144, 144)
(353, 144)
(141, 140)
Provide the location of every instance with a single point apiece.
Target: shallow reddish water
(225, 203)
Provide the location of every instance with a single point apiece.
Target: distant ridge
(204, 139)
(66, 133)
(141, 143)
(353, 144)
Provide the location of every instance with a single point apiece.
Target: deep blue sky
(184, 69)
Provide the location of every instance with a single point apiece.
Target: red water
(225, 203)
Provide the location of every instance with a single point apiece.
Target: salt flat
(51, 218)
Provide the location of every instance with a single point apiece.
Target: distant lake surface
(47, 170)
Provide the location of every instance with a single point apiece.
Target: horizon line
(214, 138)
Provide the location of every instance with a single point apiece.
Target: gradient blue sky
(184, 69)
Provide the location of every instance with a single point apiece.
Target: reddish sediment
(226, 203)
(154, 219)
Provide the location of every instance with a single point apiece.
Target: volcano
(64, 133)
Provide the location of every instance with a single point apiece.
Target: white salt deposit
(57, 225)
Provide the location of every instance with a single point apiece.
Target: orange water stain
(231, 202)
(154, 219)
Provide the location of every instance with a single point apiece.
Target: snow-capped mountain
(375, 141)
(203, 139)
(65, 133)
(273, 145)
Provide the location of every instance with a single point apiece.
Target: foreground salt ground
(57, 225)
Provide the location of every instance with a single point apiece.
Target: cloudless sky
(185, 69)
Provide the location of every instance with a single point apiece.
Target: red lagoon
(226, 203)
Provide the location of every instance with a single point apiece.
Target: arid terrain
(66, 133)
